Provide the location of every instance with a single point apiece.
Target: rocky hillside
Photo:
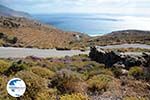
(121, 37)
(30, 33)
(75, 78)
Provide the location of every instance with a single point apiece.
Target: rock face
(113, 58)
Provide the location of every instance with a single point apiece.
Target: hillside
(76, 78)
(121, 37)
(5, 11)
(21, 31)
(30, 33)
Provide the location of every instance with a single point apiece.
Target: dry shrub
(99, 83)
(36, 86)
(4, 66)
(43, 72)
(135, 98)
(136, 72)
(76, 96)
(67, 81)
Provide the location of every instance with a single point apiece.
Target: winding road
(12, 52)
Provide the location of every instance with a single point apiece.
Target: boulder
(117, 59)
(108, 58)
(133, 60)
(146, 56)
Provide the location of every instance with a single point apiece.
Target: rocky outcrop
(112, 58)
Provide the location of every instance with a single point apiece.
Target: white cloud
(81, 6)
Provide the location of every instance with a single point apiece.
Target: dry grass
(43, 72)
(77, 96)
(33, 34)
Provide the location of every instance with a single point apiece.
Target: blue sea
(94, 24)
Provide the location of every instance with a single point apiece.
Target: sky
(137, 7)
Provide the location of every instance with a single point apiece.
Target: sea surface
(95, 24)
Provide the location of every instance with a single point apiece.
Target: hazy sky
(141, 7)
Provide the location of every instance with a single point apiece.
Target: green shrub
(86, 66)
(77, 96)
(117, 71)
(43, 72)
(135, 98)
(11, 39)
(55, 66)
(46, 95)
(80, 57)
(79, 64)
(136, 72)
(91, 68)
(99, 71)
(3, 91)
(3, 66)
(67, 81)
(1, 42)
(16, 67)
(99, 83)
(36, 86)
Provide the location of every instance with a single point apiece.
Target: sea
(94, 24)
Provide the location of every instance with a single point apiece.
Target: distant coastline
(94, 24)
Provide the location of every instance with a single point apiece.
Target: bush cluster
(43, 72)
(99, 83)
(136, 72)
(76, 96)
(15, 67)
(4, 65)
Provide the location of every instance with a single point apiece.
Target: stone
(117, 59)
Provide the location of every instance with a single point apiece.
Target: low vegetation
(136, 72)
(74, 97)
(73, 78)
(135, 98)
(15, 67)
(121, 37)
(43, 72)
(99, 83)
(4, 65)
(7, 40)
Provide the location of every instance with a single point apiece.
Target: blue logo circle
(16, 87)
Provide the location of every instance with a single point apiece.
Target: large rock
(111, 58)
(108, 58)
(133, 60)
(147, 59)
